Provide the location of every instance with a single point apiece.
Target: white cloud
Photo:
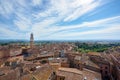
(101, 22)
(6, 8)
(47, 29)
(110, 20)
(107, 26)
(60, 9)
(20, 3)
(68, 10)
(7, 31)
(43, 20)
(101, 31)
(82, 10)
(98, 23)
(22, 22)
(41, 29)
(37, 2)
(105, 33)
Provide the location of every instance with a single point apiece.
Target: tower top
(31, 40)
(31, 37)
(31, 33)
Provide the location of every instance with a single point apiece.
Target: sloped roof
(72, 70)
(75, 74)
(77, 58)
(94, 53)
(43, 73)
(70, 73)
(26, 77)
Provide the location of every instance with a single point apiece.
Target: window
(101, 71)
(62, 78)
(106, 72)
(53, 73)
(106, 67)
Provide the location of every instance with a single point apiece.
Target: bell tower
(31, 40)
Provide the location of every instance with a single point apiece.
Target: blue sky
(60, 19)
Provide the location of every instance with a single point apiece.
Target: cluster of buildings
(56, 61)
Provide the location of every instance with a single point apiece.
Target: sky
(60, 19)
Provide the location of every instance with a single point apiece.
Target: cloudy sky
(60, 19)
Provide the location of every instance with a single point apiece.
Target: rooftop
(43, 73)
(70, 73)
(75, 74)
(72, 70)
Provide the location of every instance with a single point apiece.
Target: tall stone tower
(31, 40)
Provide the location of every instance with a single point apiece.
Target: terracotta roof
(11, 75)
(91, 75)
(5, 69)
(90, 63)
(75, 74)
(94, 53)
(77, 58)
(58, 60)
(26, 77)
(55, 66)
(29, 65)
(70, 73)
(43, 73)
(72, 70)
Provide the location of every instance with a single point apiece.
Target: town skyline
(60, 20)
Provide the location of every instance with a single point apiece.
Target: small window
(101, 71)
(106, 72)
(78, 65)
(62, 78)
(53, 73)
(106, 67)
